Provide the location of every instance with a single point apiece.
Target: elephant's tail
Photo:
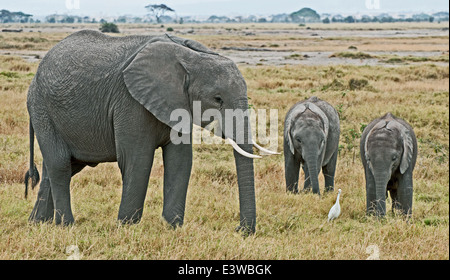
(32, 172)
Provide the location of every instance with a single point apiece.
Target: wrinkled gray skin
(388, 152)
(97, 98)
(311, 139)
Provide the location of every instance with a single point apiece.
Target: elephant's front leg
(291, 170)
(135, 166)
(329, 171)
(177, 171)
(405, 193)
(371, 197)
(307, 181)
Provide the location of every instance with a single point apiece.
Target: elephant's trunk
(313, 168)
(246, 183)
(245, 175)
(381, 180)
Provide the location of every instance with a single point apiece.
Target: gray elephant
(311, 139)
(388, 152)
(97, 98)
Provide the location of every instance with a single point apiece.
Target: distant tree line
(7, 17)
(441, 16)
(156, 15)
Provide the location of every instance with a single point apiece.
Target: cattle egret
(336, 209)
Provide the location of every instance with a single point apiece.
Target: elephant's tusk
(242, 152)
(263, 149)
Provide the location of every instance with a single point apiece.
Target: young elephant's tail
(32, 172)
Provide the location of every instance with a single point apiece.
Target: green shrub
(109, 27)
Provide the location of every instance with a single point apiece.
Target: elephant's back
(86, 56)
(75, 87)
(96, 46)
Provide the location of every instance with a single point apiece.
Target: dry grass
(289, 226)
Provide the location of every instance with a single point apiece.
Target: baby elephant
(388, 152)
(311, 139)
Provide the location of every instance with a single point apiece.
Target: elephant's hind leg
(59, 174)
(56, 178)
(43, 208)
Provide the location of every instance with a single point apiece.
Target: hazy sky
(220, 7)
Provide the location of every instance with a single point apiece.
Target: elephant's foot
(245, 230)
(174, 220)
(37, 217)
(130, 217)
(65, 219)
(127, 221)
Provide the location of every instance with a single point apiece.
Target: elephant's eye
(394, 158)
(218, 99)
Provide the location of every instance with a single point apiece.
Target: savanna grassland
(412, 86)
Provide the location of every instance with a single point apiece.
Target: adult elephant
(97, 98)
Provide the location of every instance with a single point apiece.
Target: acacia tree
(158, 10)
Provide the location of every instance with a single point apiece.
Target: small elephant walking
(311, 139)
(388, 153)
(97, 98)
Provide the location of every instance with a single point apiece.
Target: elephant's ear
(326, 123)
(298, 109)
(156, 79)
(379, 125)
(407, 144)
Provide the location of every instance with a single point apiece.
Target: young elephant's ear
(156, 78)
(407, 144)
(297, 110)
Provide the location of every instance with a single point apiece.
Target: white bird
(335, 210)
